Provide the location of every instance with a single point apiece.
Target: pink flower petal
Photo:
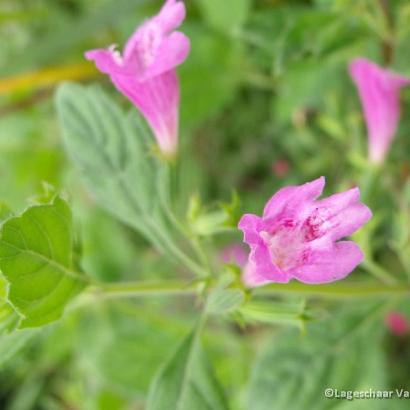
(328, 265)
(158, 100)
(337, 202)
(348, 221)
(379, 92)
(146, 74)
(297, 236)
(171, 15)
(293, 197)
(173, 51)
(105, 60)
(257, 275)
(251, 226)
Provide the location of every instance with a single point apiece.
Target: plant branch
(349, 290)
(183, 288)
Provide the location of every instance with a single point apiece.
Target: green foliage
(11, 343)
(215, 89)
(225, 299)
(3, 287)
(225, 16)
(186, 380)
(123, 347)
(273, 312)
(296, 368)
(265, 83)
(36, 258)
(112, 151)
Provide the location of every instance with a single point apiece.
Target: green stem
(181, 256)
(181, 288)
(335, 290)
(369, 182)
(379, 272)
(167, 191)
(138, 289)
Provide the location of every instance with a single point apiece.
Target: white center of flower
(285, 246)
(288, 241)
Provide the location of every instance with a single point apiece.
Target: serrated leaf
(186, 381)
(111, 149)
(36, 259)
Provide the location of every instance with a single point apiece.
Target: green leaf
(108, 341)
(186, 381)
(111, 149)
(3, 287)
(9, 319)
(343, 353)
(36, 259)
(282, 313)
(226, 15)
(222, 299)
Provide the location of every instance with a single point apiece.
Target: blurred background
(266, 102)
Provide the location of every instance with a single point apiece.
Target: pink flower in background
(379, 92)
(234, 253)
(145, 72)
(397, 323)
(281, 168)
(298, 236)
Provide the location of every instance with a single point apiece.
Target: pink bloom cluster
(145, 72)
(379, 92)
(298, 236)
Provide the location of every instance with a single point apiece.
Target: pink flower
(298, 236)
(145, 72)
(379, 92)
(397, 323)
(234, 253)
(281, 168)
